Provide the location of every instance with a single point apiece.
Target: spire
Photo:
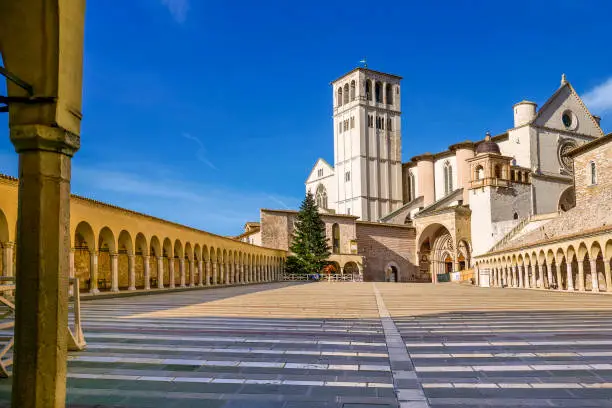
(563, 79)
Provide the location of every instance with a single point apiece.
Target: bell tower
(367, 143)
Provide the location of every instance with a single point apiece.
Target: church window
(321, 197)
(346, 125)
(593, 173)
(346, 93)
(370, 121)
(320, 173)
(567, 119)
(516, 216)
(497, 171)
(347, 176)
(389, 124)
(340, 96)
(352, 90)
(336, 239)
(348, 211)
(411, 187)
(378, 92)
(448, 178)
(389, 94)
(368, 89)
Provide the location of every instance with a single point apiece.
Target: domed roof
(488, 146)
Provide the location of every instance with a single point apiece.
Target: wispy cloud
(165, 194)
(201, 152)
(178, 9)
(599, 99)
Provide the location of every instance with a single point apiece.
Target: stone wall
(601, 192)
(385, 244)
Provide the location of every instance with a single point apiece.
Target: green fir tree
(309, 246)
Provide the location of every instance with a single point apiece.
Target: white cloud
(599, 99)
(178, 9)
(164, 193)
(201, 152)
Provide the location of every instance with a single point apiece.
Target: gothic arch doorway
(392, 272)
(436, 253)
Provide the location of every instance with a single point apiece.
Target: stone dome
(488, 146)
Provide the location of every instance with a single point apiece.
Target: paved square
(345, 345)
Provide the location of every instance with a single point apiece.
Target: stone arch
(141, 249)
(432, 242)
(339, 97)
(378, 93)
(567, 199)
(84, 244)
(392, 272)
(351, 268)
(464, 254)
(346, 93)
(597, 267)
(352, 96)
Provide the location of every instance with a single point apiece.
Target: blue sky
(202, 112)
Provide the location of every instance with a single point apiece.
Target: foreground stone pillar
(594, 276)
(93, 272)
(171, 271)
(147, 272)
(43, 239)
(131, 272)
(581, 275)
(7, 259)
(114, 260)
(160, 272)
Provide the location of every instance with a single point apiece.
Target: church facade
(460, 203)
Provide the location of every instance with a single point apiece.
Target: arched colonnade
(578, 265)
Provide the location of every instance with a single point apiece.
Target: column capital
(159, 258)
(10, 245)
(45, 138)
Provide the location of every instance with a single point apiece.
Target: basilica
(432, 217)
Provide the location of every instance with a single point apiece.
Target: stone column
(208, 273)
(200, 273)
(171, 271)
(214, 273)
(160, 272)
(226, 273)
(581, 275)
(534, 278)
(541, 283)
(93, 272)
(114, 260)
(594, 276)
(518, 277)
(230, 273)
(182, 271)
(147, 272)
(191, 273)
(7, 259)
(570, 277)
(131, 272)
(608, 275)
(549, 274)
(558, 275)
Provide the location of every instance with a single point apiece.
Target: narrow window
(448, 178)
(368, 89)
(352, 90)
(340, 96)
(339, 127)
(389, 94)
(347, 176)
(593, 173)
(336, 238)
(346, 93)
(348, 211)
(412, 187)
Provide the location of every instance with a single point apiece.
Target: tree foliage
(309, 245)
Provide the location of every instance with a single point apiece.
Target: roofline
(315, 165)
(366, 70)
(151, 217)
(590, 145)
(451, 148)
(295, 212)
(384, 224)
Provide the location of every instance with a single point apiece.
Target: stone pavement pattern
(340, 345)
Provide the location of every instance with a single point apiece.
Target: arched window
(368, 90)
(340, 96)
(448, 178)
(336, 239)
(412, 187)
(389, 92)
(479, 172)
(378, 92)
(321, 197)
(497, 171)
(593, 173)
(346, 93)
(352, 90)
